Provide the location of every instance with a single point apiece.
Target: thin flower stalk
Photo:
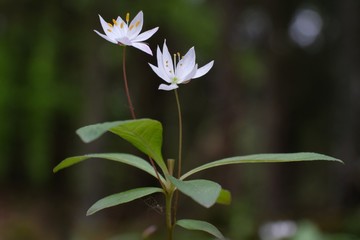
(131, 106)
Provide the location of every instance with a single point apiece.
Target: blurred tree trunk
(227, 97)
(279, 184)
(347, 115)
(90, 176)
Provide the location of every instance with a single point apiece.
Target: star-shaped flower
(175, 70)
(122, 33)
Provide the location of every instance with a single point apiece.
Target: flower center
(174, 80)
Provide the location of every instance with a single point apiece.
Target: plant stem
(180, 152)
(168, 211)
(180, 133)
(126, 85)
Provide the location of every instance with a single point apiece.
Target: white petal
(160, 73)
(203, 70)
(135, 26)
(186, 64)
(116, 30)
(168, 87)
(106, 28)
(106, 37)
(104, 24)
(145, 35)
(124, 41)
(123, 27)
(159, 58)
(189, 58)
(189, 76)
(143, 47)
(167, 61)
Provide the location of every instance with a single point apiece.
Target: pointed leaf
(224, 197)
(144, 134)
(204, 192)
(263, 158)
(120, 198)
(92, 132)
(118, 157)
(201, 226)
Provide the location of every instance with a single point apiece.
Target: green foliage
(201, 226)
(204, 192)
(144, 134)
(263, 158)
(118, 157)
(224, 197)
(120, 198)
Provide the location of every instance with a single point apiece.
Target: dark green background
(265, 93)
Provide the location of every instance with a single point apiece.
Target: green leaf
(144, 134)
(224, 197)
(204, 192)
(263, 158)
(201, 226)
(118, 157)
(92, 132)
(120, 198)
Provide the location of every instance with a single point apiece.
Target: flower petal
(124, 41)
(105, 26)
(189, 57)
(168, 87)
(135, 26)
(159, 57)
(186, 64)
(143, 47)
(203, 70)
(189, 76)
(145, 35)
(106, 37)
(167, 61)
(160, 73)
(122, 25)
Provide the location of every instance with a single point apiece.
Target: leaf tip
(56, 169)
(89, 212)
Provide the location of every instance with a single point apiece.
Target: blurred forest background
(286, 79)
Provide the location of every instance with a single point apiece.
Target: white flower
(176, 73)
(123, 33)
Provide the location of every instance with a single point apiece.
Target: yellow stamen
(178, 55)
(121, 25)
(137, 23)
(109, 30)
(174, 59)
(115, 22)
(109, 24)
(131, 27)
(127, 17)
